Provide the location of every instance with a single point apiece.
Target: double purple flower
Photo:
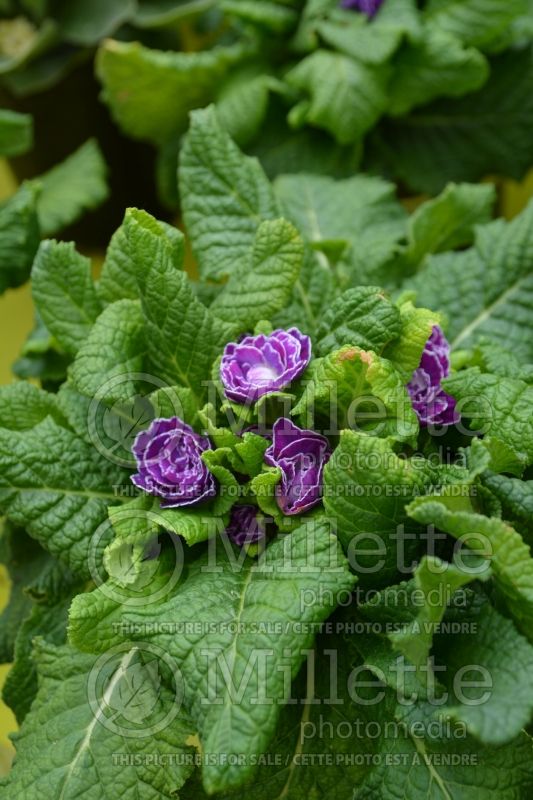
(368, 7)
(258, 365)
(301, 456)
(431, 403)
(169, 463)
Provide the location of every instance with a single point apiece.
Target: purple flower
(431, 403)
(261, 364)
(301, 456)
(368, 7)
(169, 463)
(244, 526)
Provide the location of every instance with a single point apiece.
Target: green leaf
(372, 41)
(58, 488)
(510, 557)
(359, 217)
(499, 407)
(416, 326)
(150, 92)
(497, 715)
(465, 139)
(475, 22)
(258, 289)
(253, 595)
(23, 559)
(438, 65)
(19, 237)
(487, 291)
(52, 592)
(111, 358)
(364, 317)
(342, 96)
(23, 405)
(225, 196)
(275, 17)
(433, 579)
(124, 258)
(444, 767)
(242, 103)
(515, 495)
(182, 336)
(354, 388)
(16, 133)
(448, 221)
(87, 22)
(76, 185)
(66, 744)
(366, 489)
(64, 293)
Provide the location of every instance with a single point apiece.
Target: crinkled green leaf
(251, 595)
(225, 196)
(65, 746)
(486, 291)
(263, 284)
(59, 489)
(23, 405)
(64, 293)
(109, 361)
(356, 388)
(364, 317)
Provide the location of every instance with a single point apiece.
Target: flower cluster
(169, 452)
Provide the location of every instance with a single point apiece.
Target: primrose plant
(269, 530)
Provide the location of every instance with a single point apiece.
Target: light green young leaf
(355, 388)
(416, 326)
(225, 196)
(494, 406)
(263, 284)
(64, 293)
